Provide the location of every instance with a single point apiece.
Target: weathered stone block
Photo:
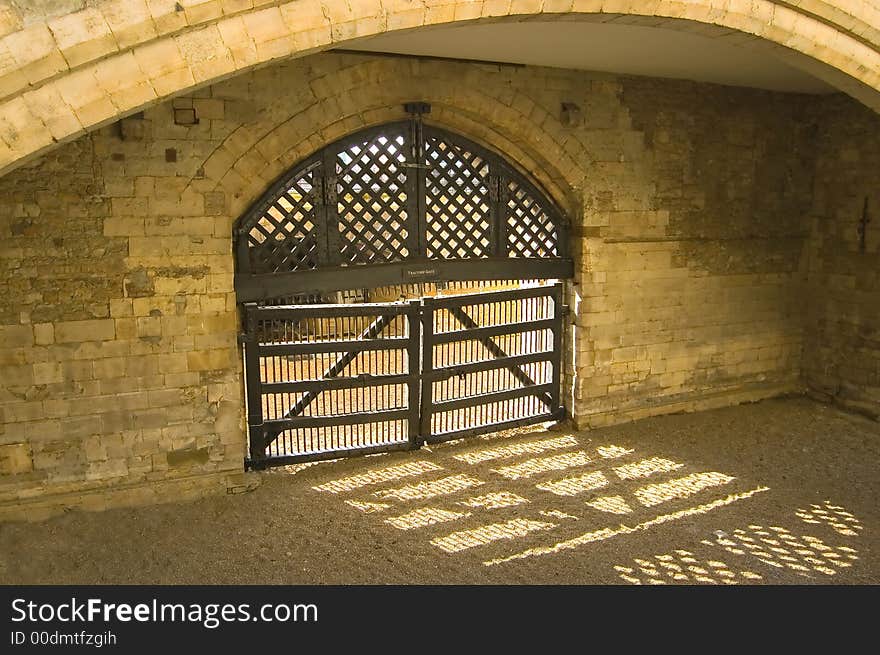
(15, 459)
(209, 108)
(187, 458)
(210, 360)
(83, 36)
(44, 334)
(16, 336)
(78, 331)
(149, 326)
(48, 373)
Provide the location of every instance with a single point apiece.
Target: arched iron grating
(398, 203)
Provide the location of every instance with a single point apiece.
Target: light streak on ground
(530, 448)
(544, 464)
(485, 534)
(379, 475)
(609, 532)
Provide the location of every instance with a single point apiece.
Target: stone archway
(72, 73)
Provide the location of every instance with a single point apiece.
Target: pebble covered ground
(777, 492)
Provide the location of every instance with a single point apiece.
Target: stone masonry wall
(842, 349)
(118, 369)
(120, 377)
(693, 239)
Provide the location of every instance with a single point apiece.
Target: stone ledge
(137, 495)
(695, 403)
(867, 408)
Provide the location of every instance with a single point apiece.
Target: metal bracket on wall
(863, 227)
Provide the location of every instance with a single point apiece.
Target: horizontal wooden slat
(323, 455)
(465, 299)
(335, 383)
(487, 398)
(488, 365)
(344, 346)
(493, 331)
(249, 288)
(355, 418)
(495, 427)
(299, 312)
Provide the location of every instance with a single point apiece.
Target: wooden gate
(490, 361)
(391, 206)
(328, 381)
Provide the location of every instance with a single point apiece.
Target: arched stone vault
(63, 75)
(258, 152)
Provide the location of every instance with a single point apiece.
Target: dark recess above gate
(398, 203)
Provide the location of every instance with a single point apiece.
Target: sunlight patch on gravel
(528, 448)
(425, 490)
(483, 535)
(380, 475)
(543, 464)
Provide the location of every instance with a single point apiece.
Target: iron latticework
(398, 203)
(371, 196)
(531, 231)
(457, 203)
(283, 237)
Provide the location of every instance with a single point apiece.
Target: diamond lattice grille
(371, 195)
(459, 222)
(530, 230)
(395, 195)
(283, 238)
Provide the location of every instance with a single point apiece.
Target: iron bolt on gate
(329, 381)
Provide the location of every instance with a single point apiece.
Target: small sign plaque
(419, 273)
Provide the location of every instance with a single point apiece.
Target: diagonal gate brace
(374, 330)
(496, 351)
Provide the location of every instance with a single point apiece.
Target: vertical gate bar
(242, 252)
(414, 347)
(563, 229)
(427, 368)
(334, 251)
(253, 385)
(421, 176)
(322, 213)
(497, 215)
(556, 389)
(413, 195)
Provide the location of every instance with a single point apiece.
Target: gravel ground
(782, 491)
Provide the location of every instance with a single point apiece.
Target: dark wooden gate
(328, 381)
(394, 206)
(490, 361)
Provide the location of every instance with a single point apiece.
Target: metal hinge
(417, 108)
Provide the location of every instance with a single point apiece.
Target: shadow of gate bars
(330, 381)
